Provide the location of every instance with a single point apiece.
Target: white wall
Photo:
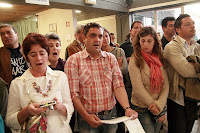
(108, 22)
(1, 44)
(59, 17)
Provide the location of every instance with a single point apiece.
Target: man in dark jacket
(127, 46)
(168, 29)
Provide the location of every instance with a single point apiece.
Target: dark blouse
(60, 65)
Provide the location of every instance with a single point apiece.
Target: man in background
(127, 46)
(12, 63)
(180, 117)
(168, 29)
(112, 40)
(78, 44)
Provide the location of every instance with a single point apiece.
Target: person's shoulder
(174, 43)
(120, 49)
(198, 46)
(124, 43)
(132, 59)
(18, 81)
(75, 56)
(108, 54)
(72, 44)
(132, 62)
(2, 49)
(59, 73)
(3, 85)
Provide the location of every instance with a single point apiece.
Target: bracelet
(126, 108)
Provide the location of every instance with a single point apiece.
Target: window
(192, 10)
(161, 14)
(147, 18)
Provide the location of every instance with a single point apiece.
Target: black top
(164, 42)
(60, 65)
(127, 47)
(18, 63)
(198, 41)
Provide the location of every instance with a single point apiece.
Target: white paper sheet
(134, 126)
(117, 120)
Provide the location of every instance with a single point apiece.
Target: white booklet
(134, 126)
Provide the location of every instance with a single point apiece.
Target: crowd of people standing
(145, 77)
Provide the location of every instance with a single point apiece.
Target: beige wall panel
(108, 22)
(59, 21)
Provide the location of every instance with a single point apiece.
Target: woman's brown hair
(34, 39)
(157, 49)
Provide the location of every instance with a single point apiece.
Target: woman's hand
(162, 118)
(154, 109)
(30, 110)
(60, 107)
(58, 104)
(119, 59)
(34, 109)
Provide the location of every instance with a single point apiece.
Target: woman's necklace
(38, 89)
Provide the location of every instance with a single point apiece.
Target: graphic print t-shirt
(18, 63)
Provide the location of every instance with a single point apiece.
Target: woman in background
(149, 80)
(117, 52)
(56, 63)
(120, 56)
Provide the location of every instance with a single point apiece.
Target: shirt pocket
(108, 76)
(85, 77)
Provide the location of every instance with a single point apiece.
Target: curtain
(26, 26)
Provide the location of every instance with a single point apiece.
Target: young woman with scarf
(149, 80)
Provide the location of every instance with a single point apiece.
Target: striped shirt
(94, 80)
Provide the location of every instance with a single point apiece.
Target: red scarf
(156, 74)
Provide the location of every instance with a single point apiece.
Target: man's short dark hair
(53, 36)
(132, 25)
(90, 25)
(165, 20)
(8, 25)
(178, 22)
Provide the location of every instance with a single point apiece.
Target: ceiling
(18, 12)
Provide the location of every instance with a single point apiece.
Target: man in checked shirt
(95, 80)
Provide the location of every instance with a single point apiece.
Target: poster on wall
(53, 28)
(39, 2)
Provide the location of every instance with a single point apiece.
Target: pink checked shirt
(94, 80)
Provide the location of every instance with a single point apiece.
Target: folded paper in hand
(133, 126)
(117, 120)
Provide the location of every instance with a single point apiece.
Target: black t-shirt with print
(18, 63)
